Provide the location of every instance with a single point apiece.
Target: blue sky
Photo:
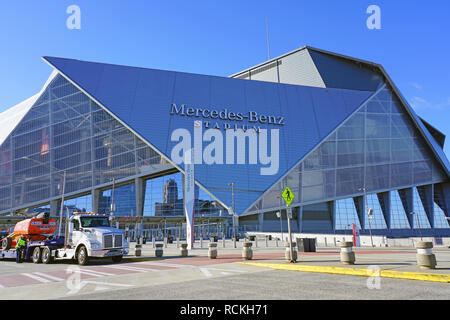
(223, 37)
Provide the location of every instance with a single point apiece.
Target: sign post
(189, 197)
(288, 197)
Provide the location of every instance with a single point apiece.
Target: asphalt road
(282, 285)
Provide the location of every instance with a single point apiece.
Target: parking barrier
(347, 254)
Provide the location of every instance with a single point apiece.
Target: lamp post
(369, 214)
(279, 215)
(418, 223)
(63, 187)
(233, 214)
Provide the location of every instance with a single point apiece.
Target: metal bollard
(425, 257)
(267, 241)
(137, 250)
(212, 252)
(165, 242)
(256, 242)
(183, 250)
(153, 242)
(178, 242)
(247, 252)
(287, 253)
(276, 241)
(159, 250)
(347, 254)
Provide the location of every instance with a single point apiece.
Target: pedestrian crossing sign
(288, 196)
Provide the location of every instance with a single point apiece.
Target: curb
(432, 277)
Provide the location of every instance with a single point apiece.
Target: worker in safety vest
(20, 245)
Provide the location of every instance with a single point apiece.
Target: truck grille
(118, 241)
(108, 241)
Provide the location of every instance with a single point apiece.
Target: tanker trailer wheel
(117, 259)
(6, 243)
(82, 256)
(37, 255)
(46, 255)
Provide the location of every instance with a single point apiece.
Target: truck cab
(89, 235)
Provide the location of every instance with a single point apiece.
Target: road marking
(162, 264)
(433, 277)
(99, 272)
(90, 273)
(206, 272)
(129, 268)
(32, 276)
(227, 270)
(48, 276)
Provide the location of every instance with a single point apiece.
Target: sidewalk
(381, 261)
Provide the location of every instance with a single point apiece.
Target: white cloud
(421, 103)
(417, 85)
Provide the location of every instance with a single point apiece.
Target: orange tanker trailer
(37, 228)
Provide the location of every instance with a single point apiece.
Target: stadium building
(340, 134)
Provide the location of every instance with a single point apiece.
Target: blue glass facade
(343, 149)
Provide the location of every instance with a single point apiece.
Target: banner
(189, 196)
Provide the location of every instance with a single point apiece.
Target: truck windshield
(91, 222)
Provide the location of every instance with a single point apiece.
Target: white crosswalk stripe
(162, 264)
(35, 277)
(48, 276)
(88, 273)
(128, 268)
(99, 272)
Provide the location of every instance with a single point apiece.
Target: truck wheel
(116, 259)
(46, 256)
(6, 243)
(37, 255)
(82, 256)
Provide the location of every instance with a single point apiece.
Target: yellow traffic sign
(288, 196)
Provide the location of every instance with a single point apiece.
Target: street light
(418, 223)
(281, 223)
(233, 214)
(279, 215)
(369, 213)
(62, 191)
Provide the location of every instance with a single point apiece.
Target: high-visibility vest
(20, 243)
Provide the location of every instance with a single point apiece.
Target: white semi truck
(87, 235)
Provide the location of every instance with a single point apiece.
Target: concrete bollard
(347, 254)
(287, 254)
(159, 250)
(425, 257)
(212, 251)
(184, 250)
(247, 252)
(137, 250)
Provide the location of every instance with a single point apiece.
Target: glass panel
(317, 218)
(346, 215)
(376, 220)
(420, 216)
(89, 145)
(399, 220)
(440, 221)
